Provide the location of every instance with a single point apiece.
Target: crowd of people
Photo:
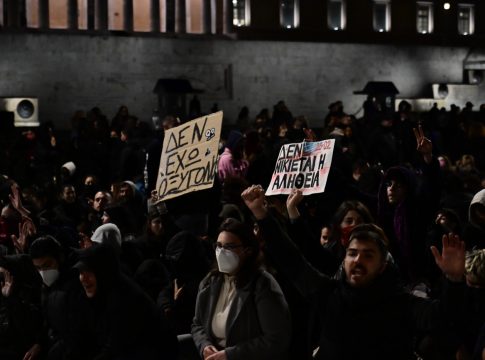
(387, 263)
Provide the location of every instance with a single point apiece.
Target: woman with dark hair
(241, 312)
(349, 214)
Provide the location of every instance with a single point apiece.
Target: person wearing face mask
(241, 312)
(64, 308)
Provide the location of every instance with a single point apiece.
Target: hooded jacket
(406, 223)
(125, 321)
(20, 314)
(474, 231)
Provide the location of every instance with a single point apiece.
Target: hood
(108, 234)
(103, 262)
(185, 255)
(478, 199)
(406, 177)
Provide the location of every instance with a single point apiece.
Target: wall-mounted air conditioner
(25, 110)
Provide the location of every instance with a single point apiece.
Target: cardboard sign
(189, 157)
(303, 166)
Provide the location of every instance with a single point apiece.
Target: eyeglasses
(218, 245)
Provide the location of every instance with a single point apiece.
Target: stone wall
(71, 72)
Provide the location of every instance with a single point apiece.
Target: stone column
(72, 19)
(170, 15)
(43, 14)
(128, 15)
(207, 11)
(155, 14)
(101, 15)
(180, 17)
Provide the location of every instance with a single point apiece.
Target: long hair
(343, 209)
(250, 267)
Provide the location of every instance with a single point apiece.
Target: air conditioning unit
(25, 110)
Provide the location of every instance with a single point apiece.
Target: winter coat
(258, 324)
(125, 321)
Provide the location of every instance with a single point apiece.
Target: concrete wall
(71, 72)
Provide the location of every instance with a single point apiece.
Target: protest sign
(189, 157)
(303, 166)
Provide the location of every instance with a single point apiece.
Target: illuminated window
(240, 13)
(142, 15)
(336, 14)
(1, 14)
(466, 19)
(116, 15)
(424, 17)
(58, 14)
(382, 15)
(32, 13)
(289, 14)
(163, 16)
(195, 16)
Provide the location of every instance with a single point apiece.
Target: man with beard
(363, 313)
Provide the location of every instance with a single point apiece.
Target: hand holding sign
(292, 202)
(303, 166)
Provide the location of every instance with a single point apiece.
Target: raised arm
(285, 255)
(424, 145)
(452, 259)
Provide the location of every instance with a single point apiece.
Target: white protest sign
(303, 166)
(189, 157)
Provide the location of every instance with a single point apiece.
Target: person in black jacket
(20, 314)
(126, 323)
(366, 313)
(66, 334)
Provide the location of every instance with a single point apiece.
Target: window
(424, 17)
(336, 14)
(382, 15)
(32, 12)
(2, 14)
(466, 20)
(116, 15)
(142, 18)
(58, 14)
(195, 16)
(240, 13)
(289, 14)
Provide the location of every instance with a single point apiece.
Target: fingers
(436, 254)
(445, 241)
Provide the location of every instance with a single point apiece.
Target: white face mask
(49, 276)
(227, 260)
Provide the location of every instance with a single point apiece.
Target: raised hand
(26, 229)
(452, 259)
(7, 282)
(16, 201)
(424, 145)
(253, 197)
(292, 202)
